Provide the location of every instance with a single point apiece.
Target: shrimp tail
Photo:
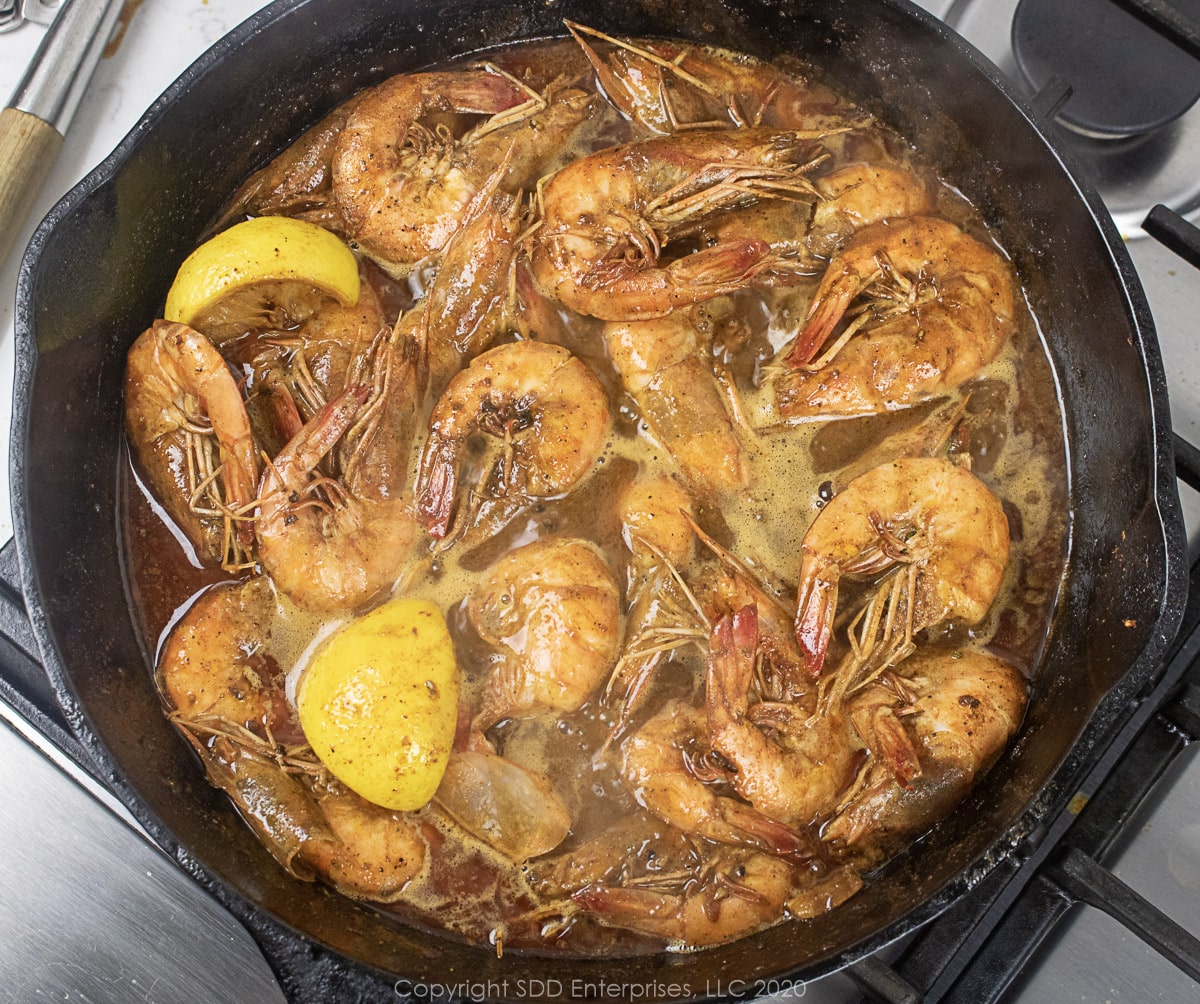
(317, 437)
(644, 910)
(435, 503)
(886, 737)
(814, 614)
(756, 829)
(732, 653)
(828, 307)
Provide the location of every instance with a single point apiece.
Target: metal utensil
(33, 124)
(13, 14)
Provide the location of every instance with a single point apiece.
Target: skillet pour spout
(136, 217)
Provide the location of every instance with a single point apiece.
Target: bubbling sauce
(1008, 429)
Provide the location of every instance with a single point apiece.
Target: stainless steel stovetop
(93, 911)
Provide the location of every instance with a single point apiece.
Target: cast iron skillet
(97, 270)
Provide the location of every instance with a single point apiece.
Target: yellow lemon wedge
(268, 271)
(379, 703)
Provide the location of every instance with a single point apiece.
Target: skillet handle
(28, 148)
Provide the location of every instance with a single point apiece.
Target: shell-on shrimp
(941, 531)
(467, 302)
(738, 892)
(789, 764)
(857, 195)
(656, 519)
(607, 219)
(938, 307)
(188, 427)
(217, 660)
(217, 670)
(297, 368)
(540, 404)
(665, 767)
(662, 364)
(314, 828)
(298, 182)
(339, 543)
(964, 708)
(401, 182)
(669, 87)
(552, 609)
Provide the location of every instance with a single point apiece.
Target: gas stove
(95, 911)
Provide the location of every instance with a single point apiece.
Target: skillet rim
(1069, 771)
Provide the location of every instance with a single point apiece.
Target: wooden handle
(28, 148)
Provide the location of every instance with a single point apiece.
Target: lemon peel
(267, 251)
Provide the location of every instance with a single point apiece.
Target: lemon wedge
(379, 703)
(269, 271)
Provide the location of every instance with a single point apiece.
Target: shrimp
(312, 828)
(666, 767)
(218, 671)
(188, 427)
(339, 543)
(789, 764)
(217, 660)
(662, 364)
(298, 182)
(963, 709)
(737, 892)
(607, 219)
(733, 893)
(296, 369)
(656, 519)
(939, 307)
(668, 87)
(942, 531)
(542, 405)
(857, 195)
(400, 180)
(467, 302)
(552, 609)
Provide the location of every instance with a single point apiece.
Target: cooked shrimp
(401, 183)
(552, 609)
(339, 543)
(297, 368)
(540, 404)
(217, 660)
(790, 764)
(298, 182)
(857, 195)
(939, 306)
(666, 768)
(376, 851)
(668, 87)
(662, 364)
(187, 425)
(608, 218)
(942, 531)
(312, 828)
(736, 893)
(218, 670)
(964, 708)
(467, 303)
(656, 520)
